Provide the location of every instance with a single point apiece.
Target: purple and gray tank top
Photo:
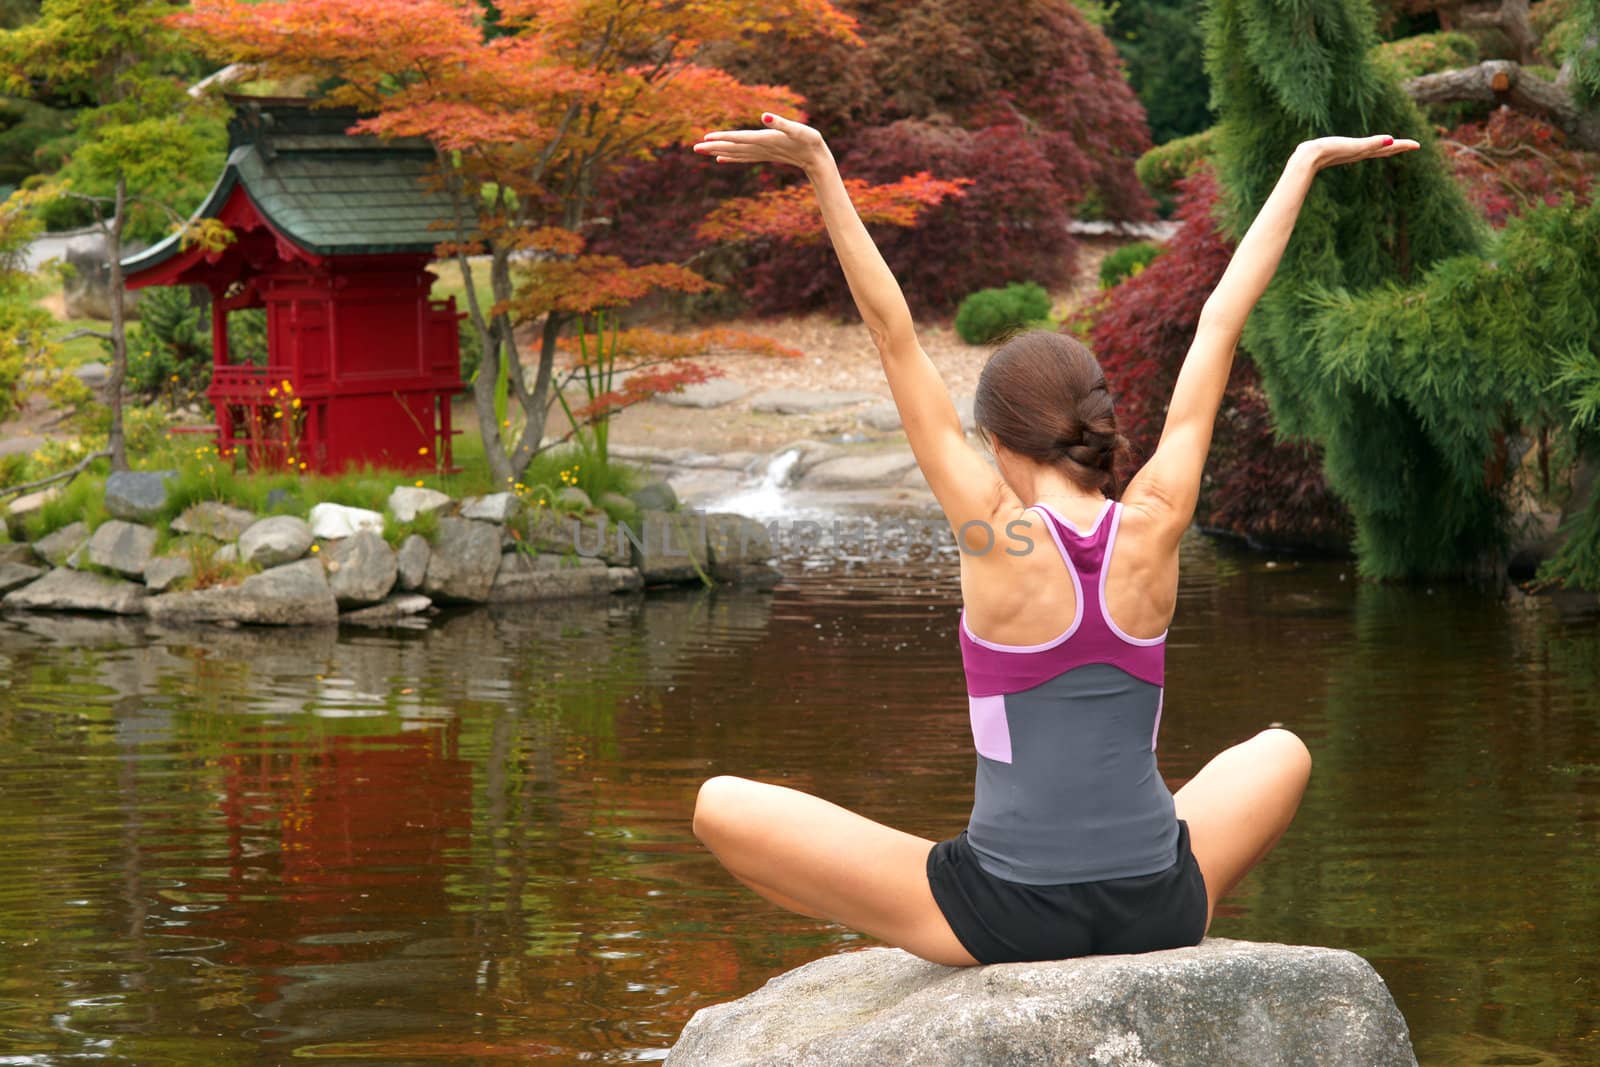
(1067, 787)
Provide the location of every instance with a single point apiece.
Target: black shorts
(1010, 922)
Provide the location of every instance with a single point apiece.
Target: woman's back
(1067, 787)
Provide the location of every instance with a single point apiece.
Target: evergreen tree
(1282, 73)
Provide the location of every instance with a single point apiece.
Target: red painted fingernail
(766, 117)
(1388, 140)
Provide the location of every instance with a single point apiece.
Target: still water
(470, 843)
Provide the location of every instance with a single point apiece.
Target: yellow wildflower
(423, 451)
(273, 391)
(316, 548)
(296, 404)
(287, 388)
(419, 484)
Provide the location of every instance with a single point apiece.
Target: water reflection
(470, 843)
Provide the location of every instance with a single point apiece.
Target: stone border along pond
(336, 566)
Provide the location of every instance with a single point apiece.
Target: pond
(470, 843)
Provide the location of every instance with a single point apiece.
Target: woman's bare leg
(815, 857)
(1240, 804)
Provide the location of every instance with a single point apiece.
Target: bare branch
(85, 332)
(68, 474)
(1500, 81)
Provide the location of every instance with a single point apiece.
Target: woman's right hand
(782, 141)
(1324, 152)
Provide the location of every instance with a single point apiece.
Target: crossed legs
(813, 857)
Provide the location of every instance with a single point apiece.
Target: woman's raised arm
(1168, 486)
(965, 485)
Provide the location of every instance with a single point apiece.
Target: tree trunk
(1500, 81)
(495, 350)
(116, 443)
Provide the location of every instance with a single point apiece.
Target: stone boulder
(806, 401)
(671, 545)
(124, 547)
(463, 562)
(17, 552)
(402, 607)
(494, 507)
(870, 470)
(330, 522)
(619, 507)
(69, 590)
(732, 541)
(212, 518)
(411, 562)
(624, 579)
(137, 496)
(56, 548)
(162, 572)
(657, 496)
(409, 501)
(294, 594)
(14, 575)
(708, 394)
(275, 540)
(361, 569)
(25, 507)
(1220, 1002)
(548, 577)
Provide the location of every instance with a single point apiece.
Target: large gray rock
(708, 394)
(411, 562)
(1221, 1002)
(137, 496)
(17, 552)
(671, 546)
(330, 522)
(409, 501)
(806, 401)
(398, 608)
(495, 507)
(13, 575)
(548, 577)
(275, 540)
(213, 518)
(655, 496)
(294, 594)
(124, 547)
(464, 561)
(361, 569)
(885, 417)
(25, 507)
(869, 470)
(732, 541)
(161, 573)
(69, 590)
(56, 548)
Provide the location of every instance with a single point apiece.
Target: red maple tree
(530, 104)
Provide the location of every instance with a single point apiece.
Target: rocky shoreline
(336, 567)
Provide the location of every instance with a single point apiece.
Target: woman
(1075, 845)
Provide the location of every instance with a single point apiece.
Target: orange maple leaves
(792, 212)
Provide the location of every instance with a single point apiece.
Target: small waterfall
(764, 500)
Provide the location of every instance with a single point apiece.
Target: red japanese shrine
(333, 240)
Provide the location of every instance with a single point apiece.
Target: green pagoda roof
(329, 192)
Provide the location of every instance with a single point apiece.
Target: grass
(450, 282)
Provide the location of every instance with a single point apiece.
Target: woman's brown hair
(1043, 396)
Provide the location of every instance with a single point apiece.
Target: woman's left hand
(783, 141)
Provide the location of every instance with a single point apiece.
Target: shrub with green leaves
(169, 349)
(989, 314)
(1426, 53)
(1164, 166)
(1127, 260)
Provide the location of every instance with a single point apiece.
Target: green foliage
(1278, 80)
(1161, 42)
(1129, 259)
(127, 72)
(1164, 166)
(1426, 53)
(169, 349)
(989, 314)
(24, 341)
(1571, 33)
(1478, 345)
(83, 499)
(425, 525)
